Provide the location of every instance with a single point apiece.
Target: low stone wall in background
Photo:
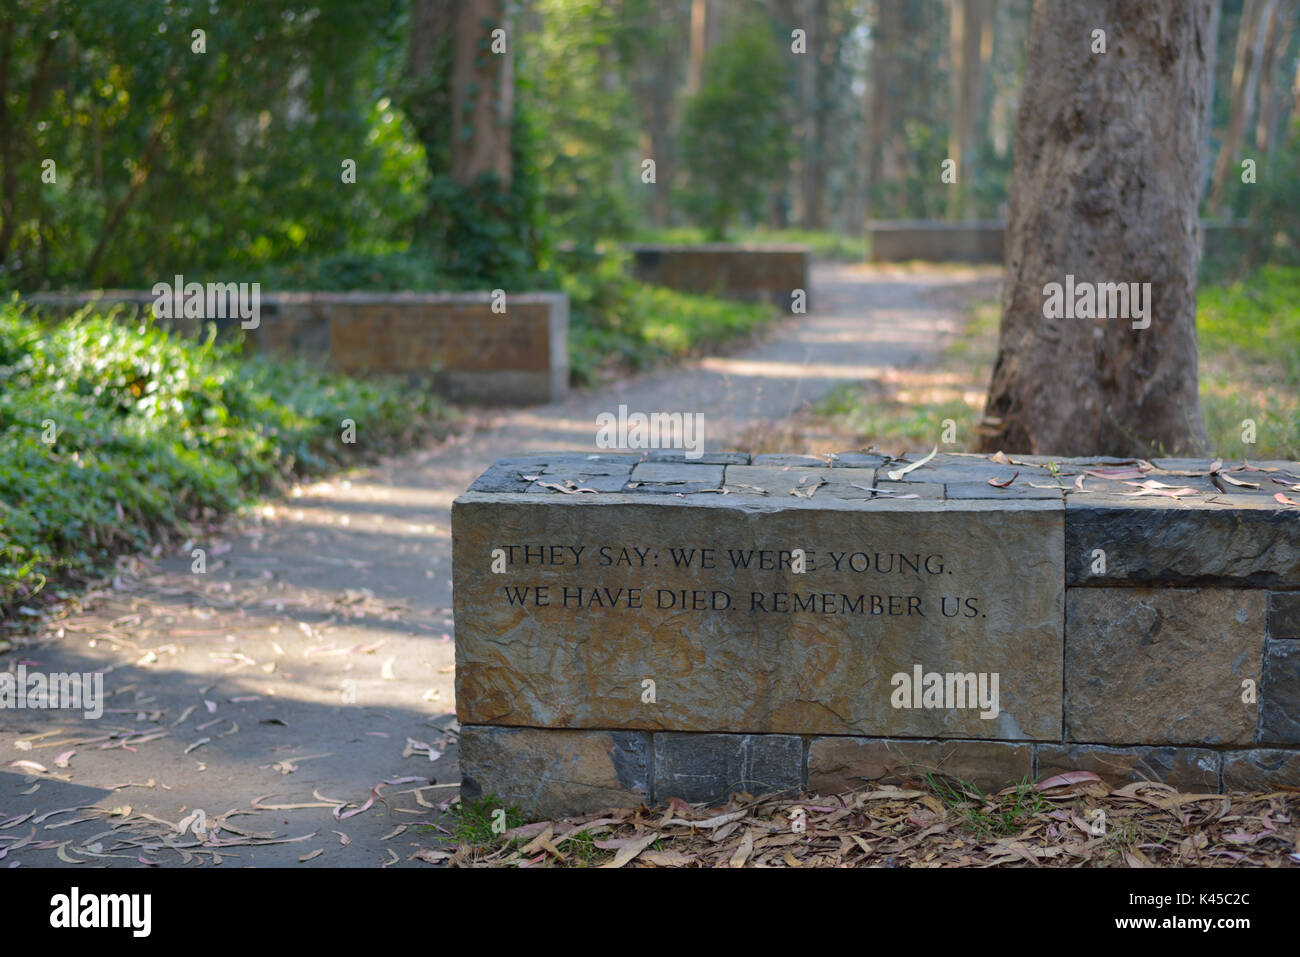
(692, 629)
(981, 242)
(519, 356)
(749, 273)
(906, 240)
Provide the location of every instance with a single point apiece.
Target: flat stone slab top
(756, 599)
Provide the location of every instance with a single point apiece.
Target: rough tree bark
(1105, 190)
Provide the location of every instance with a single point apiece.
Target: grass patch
(988, 816)
(1248, 334)
(583, 851)
(478, 825)
(910, 407)
(114, 433)
(481, 821)
(1249, 337)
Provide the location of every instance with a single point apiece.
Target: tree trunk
(1285, 119)
(820, 60)
(1295, 92)
(659, 143)
(889, 34)
(1271, 99)
(806, 96)
(655, 67)
(713, 23)
(699, 28)
(1207, 121)
(1105, 188)
(427, 94)
(482, 93)
(1251, 33)
(1011, 34)
(786, 197)
(971, 46)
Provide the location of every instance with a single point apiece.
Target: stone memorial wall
(515, 353)
(905, 240)
(631, 630)
(748, 272)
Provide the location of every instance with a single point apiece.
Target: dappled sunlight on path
(314, 657)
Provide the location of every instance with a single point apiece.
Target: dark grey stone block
(503, 477)
(708, 767)
(555, 771)
(1159, 541)
(784, 460)
(1280, 694)
(590, 467)
(676, 477)
(857, 460)
(598, 483)
(1260, 770)
(1284, 615)
(708, 458)
(1188, 769)
(1018, 489)
(1161, 666)
(895, 489)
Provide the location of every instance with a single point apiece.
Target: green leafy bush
(735, 140)
(398, 271)
(151, 430)
(618, 322)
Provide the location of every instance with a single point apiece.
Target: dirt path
(312, 661)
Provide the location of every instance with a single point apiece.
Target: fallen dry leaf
(897, 474)
(1062, 780)
(629, 852)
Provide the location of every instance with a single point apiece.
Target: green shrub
(735, 140)
(616, 321)
(151, 430)
(384, 272)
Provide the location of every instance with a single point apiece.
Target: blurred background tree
(227, 155)
(168, 159)
(735, 143)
